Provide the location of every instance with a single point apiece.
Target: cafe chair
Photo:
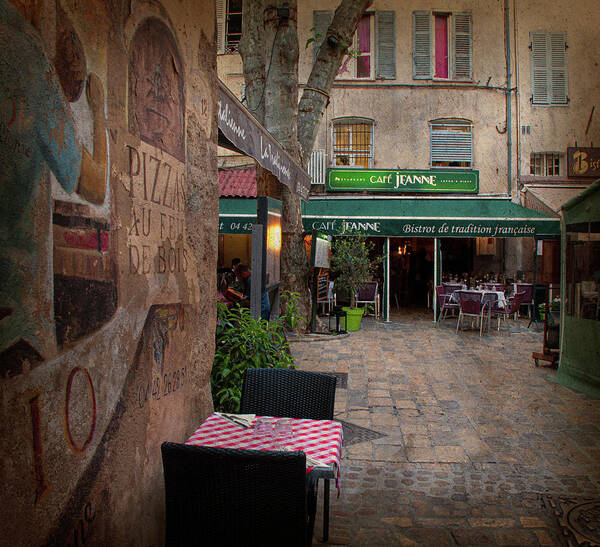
(527, 300)
(512, 309)
(368, 294)
(294, 394)
(501, 287)
(445, 303)
(288, 392)
(472, 304)
(451, 287)
(224, 497)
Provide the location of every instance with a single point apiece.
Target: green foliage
(242, 342)
(291, 317)
(351, 262)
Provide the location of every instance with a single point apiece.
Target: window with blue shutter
(548, 68)
(422, 44)
(447, 34)
(451, 143)
(373, 46)
(385, 32)
(462, 46)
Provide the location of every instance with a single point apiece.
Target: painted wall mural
(108, 208)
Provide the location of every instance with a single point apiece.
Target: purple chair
(368, 294)
(513, 309)
(473, 304)
(451, 287)
(444, 302)
(495, 287)
(526, 288)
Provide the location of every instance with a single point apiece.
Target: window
(229, 25)
(548, 68)
(373, 47)
(547, 164)
(358, 64)
(442, 45)
(353, 143)
(451, 143)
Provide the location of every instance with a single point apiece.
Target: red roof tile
(237, 182)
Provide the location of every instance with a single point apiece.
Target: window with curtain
(442, 45)
(451, 143)
(373, 50)
(549, 164)
(548, 68)
(353, 143)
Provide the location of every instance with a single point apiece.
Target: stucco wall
(554, 128)
(402, 107)
(108, 250)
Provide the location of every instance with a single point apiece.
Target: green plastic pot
(354, 316)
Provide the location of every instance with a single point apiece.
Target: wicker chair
(224, 497)
(294, 394)
(288, 392)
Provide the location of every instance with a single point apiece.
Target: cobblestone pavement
(478, 443)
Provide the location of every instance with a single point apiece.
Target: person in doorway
(244, 275)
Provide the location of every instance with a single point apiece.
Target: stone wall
(108, 213)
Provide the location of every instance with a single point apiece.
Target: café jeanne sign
(402, 180)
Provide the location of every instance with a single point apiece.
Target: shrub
(351, 262)
(242, 342)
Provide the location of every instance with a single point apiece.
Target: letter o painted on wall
(79, 380)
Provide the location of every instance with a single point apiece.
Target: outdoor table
(501, 296)
(320, 440)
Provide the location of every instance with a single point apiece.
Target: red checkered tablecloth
(319, 439)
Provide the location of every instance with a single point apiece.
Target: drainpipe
(508, 96)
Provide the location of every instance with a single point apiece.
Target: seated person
(225, 293)
(244, 275)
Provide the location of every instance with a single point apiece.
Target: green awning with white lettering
(404, 216)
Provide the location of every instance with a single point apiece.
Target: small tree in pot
(352, 264)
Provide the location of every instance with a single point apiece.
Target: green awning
(405, 216)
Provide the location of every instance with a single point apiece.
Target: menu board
(322, 287)
(320, 251)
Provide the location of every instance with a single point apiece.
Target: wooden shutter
(221, 13)
(421, 44)
(539, 68)
(448, 144)
(385, 48)
(558, 68)
(321, 22)
(463, 46)
(548, 67)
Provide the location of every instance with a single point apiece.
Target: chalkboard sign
(322, 287)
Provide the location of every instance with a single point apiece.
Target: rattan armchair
(294, 394)
(288, 392)
(225, 497)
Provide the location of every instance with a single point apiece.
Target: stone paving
(479, 443)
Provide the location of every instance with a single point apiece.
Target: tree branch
(327, 64)
(252, 48)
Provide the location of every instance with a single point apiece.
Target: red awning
(239, 182)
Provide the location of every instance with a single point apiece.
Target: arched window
(451, 143)
(353, 142)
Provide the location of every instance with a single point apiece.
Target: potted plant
(353, 266)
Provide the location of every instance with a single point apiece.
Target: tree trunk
(269, 49)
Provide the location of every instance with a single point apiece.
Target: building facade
(108, 199)
(461, 88)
